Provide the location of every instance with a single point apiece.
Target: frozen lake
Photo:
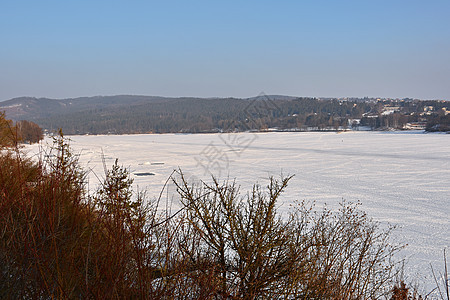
(400, 177)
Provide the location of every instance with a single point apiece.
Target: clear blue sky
(61, 49)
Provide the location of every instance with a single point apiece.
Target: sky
(318, 48)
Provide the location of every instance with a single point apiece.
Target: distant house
(354, 122)
(415, 125)
(390, 110)
(428, 108)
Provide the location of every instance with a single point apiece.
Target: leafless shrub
(254, 253)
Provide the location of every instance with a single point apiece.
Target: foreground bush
(251, 252)
(59, 241)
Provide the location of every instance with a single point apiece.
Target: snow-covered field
(400, 177)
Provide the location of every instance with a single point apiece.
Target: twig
(435, 280)
(446, 276)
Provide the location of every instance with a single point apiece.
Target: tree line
(22, 131)
(208, 115)
(196, 115)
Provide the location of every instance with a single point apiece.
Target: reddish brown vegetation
(22, 131)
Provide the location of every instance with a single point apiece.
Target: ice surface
(400, 178)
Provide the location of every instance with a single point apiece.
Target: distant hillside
(28, 108)
(147, 114)
(141, 114)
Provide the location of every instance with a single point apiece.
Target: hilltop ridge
(124, 114)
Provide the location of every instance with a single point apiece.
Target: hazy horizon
(213, 97)
(387, 49)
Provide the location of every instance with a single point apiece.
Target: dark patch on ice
(144, 174)
(157, 163)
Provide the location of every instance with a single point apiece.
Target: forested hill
(141, 114)
(30, 108)
(148, 114)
